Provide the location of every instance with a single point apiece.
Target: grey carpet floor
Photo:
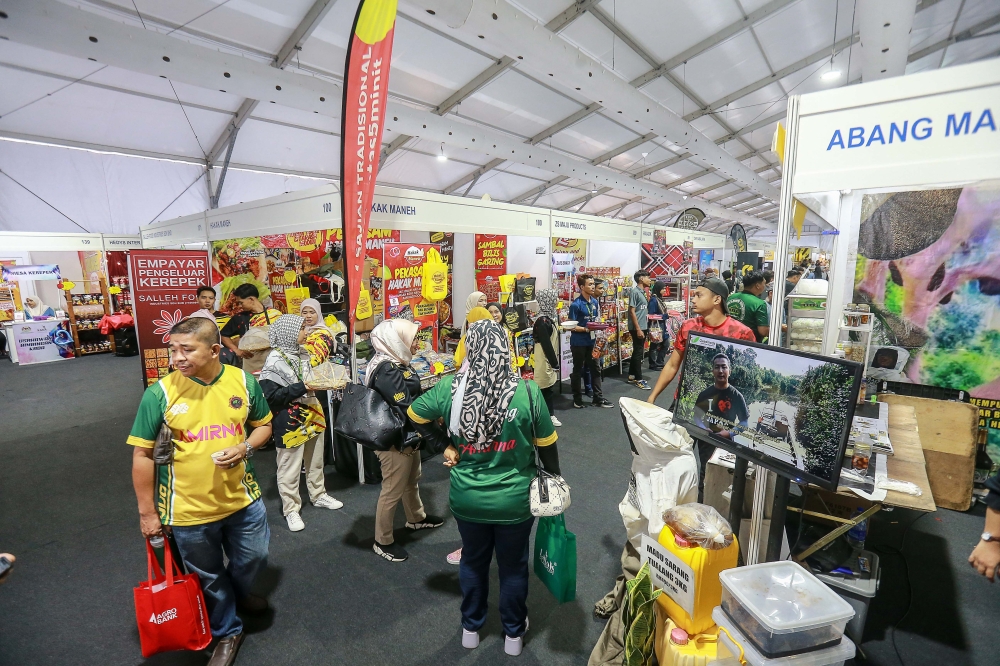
(68, 512)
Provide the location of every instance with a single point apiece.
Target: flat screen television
(786, 410)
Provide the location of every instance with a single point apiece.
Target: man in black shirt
(721, 401)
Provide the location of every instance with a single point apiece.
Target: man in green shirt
(749, 308)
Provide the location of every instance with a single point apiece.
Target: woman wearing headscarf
(494, 420)
(475, 314)
(476, 299)
(319, 342)
(389, 374)
(545, 360)
(298, 424)
(34, 308)
(657, 306)
(496, 311)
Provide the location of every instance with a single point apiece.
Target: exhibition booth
(294, 241)
(63, 296)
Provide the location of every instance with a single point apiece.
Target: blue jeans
(244, 537)
(479, 541)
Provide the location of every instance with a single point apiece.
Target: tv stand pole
(778, 509)
(736, 498)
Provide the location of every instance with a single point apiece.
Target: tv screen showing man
(721, 406)
(788, 411)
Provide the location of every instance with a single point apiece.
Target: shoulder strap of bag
(531, 415)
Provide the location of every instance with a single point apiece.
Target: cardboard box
(948, 437)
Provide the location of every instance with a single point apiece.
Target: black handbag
(366, 418)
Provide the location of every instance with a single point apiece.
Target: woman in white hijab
(319, 341)
(35, 308)
(476, 299)
(298, 424)
(390, 375)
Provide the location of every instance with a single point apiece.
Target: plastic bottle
(157, 543)
(857, 534)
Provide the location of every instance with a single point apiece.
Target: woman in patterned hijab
(298, 424)
(484, 386)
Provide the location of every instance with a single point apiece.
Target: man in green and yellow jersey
(207, 494)
(749, 308)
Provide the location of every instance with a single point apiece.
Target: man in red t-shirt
(709, 302)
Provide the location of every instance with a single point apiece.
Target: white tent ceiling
(111, 147)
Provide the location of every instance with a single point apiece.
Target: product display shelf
(806, 316)
(122, 301)
(678, 289)
(85, 312)
(858, 324)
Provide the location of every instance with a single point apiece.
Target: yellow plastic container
(675, 647)
(707, 564)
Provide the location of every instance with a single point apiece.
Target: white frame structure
(944, 143)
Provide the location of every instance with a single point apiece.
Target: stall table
(29, 341)
(907, 464)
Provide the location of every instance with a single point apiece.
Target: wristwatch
(249, 450)
(986, 536)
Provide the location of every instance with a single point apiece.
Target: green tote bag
(555, 557)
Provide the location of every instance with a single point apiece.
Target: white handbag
(548, 494)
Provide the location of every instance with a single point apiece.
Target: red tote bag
(170, 609)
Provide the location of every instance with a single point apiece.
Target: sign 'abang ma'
(919, 130)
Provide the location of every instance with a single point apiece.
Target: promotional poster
(41, 341)
(446, 308)
(402, 280)
(928, 264)
(491, 263)
(662, 260)
(164, 291)
(10, 294)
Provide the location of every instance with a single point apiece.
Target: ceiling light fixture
(832, 75)
(441, 156)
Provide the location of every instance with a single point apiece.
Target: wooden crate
(948, 437)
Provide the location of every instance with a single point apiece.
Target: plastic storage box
(783, 609)
(858, 593)
(729, 652)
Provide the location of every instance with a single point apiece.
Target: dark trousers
(549, 393)
(479, 542)
(582, 359)
(657, 351)
(638, 348)
(243, 537)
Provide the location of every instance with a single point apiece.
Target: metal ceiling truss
(535, 192)
(637, 48)
(582, 201)
(54, 26)
(397, 142)
(476, 84)
(518, 34)
(618, 207)
(965, 35)
(473, 177)
(615, 152)
(572, 13)
(728, 32)
(565, 123)
(292, 45)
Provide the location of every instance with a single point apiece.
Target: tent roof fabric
(86, 146)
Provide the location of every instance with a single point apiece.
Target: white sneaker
(327, 502)
(556, 422)
(513, 646)
(470, 639)
(295, 523)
